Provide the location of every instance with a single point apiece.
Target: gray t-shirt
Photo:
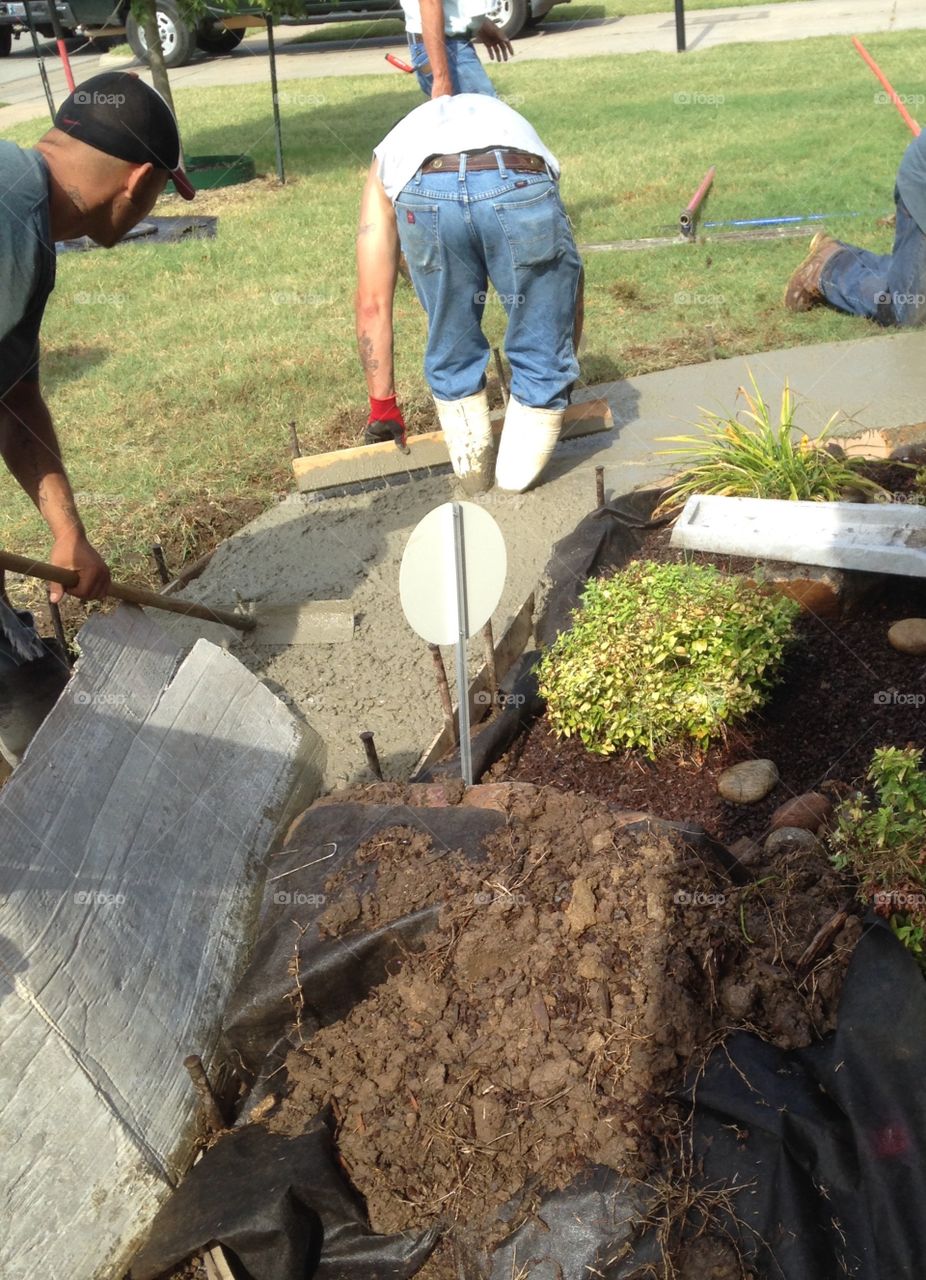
(27, 262)
(911, 180)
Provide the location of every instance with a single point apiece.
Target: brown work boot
(803, 291)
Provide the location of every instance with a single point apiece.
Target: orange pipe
(888, 87)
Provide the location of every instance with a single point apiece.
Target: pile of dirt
(575, 977)
(843, 691)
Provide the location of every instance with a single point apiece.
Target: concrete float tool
(312, 622)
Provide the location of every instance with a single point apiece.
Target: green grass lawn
(173, 372)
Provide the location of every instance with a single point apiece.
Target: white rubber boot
(467, 430)
(529, 437)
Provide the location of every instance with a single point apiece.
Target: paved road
(707, 28)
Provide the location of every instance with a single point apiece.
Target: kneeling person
(465, 187)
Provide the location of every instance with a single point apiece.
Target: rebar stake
(500, 370)
(294, 441)
(443, 689)
(60, 636)
(491, 672)
(369, 747)
(159, 559)
(211, 1112)
(599, 486)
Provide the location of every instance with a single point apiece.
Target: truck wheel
(212, 37)
(6, 41)
(177, 38)
(510, 15)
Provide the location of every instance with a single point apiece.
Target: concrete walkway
(350, 547)
(707, 28)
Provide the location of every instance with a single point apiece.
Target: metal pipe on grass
(689, 215)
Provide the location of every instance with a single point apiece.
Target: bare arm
(435, 46)
(377, 270)
(30, 449)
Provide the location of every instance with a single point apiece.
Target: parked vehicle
(183, 32)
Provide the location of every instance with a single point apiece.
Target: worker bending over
(465, 187)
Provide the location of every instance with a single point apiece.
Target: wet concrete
(349, 547)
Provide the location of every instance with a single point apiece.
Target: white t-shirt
(446, 126)
(460, 16)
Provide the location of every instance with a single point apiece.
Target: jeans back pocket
(417, 225)
(534, 228)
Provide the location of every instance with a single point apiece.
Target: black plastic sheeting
(829, 1142)
(153, 231)
(282, 1208)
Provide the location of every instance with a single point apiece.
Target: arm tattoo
(367, 360)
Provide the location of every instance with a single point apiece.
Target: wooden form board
(132, 846)
(373, 461)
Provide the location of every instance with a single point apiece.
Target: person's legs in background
(28, 691)
(466, 70)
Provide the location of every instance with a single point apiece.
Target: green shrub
(882, 839)
(759, 458)
(663, 655)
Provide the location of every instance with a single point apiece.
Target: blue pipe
(771, 222)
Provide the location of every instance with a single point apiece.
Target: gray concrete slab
(350, 546)
(707, 29)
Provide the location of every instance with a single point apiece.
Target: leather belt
(479, 161)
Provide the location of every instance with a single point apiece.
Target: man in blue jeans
(469, 192)
(889, 288)
(440, 43)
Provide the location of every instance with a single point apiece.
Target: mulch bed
(844, 691)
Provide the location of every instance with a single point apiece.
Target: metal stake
(500, 370)
(680, 43)
(277, 127)
(163, 572)
(294, 441)
(466, 750)
(60, 636)
(599, 486)
(212, 1115)
(491, 672)
(369, 747)
(443, 689)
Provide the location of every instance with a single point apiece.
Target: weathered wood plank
(372, 461)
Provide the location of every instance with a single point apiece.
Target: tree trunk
(148, 9)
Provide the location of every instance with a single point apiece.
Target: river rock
(747, 852)
(909, 636)
(748, 782)
(790, 840)
(810, 811)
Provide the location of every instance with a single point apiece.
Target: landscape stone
(810, 811)
(791, 840)
(748, 782)
(909, 636)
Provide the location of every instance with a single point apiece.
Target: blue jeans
(459, 231)
(887, 287)
(466, 71)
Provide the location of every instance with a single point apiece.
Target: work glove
(386, 423)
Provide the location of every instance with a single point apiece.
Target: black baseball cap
(122, 116)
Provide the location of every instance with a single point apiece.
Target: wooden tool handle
(124, 591)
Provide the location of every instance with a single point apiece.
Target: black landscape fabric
(829, 1142)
